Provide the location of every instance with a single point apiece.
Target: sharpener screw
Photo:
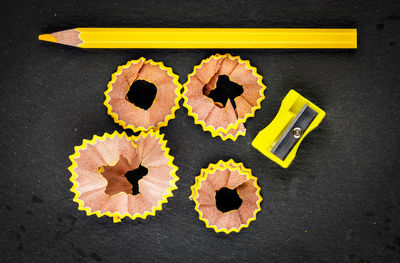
(297, 132)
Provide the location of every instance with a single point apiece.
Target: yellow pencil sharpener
(280, 140)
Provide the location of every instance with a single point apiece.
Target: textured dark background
(339, 201)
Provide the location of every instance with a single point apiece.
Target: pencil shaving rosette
(221, 93)
(143, 95)
(120, 176)
(227, 196)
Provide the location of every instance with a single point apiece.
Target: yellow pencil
(205, 38)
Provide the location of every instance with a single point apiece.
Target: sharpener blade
(294, 132)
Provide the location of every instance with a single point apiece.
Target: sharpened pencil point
(47, 37)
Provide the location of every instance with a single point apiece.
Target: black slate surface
(338, 202)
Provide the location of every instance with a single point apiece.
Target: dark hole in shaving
(227, 200)
(142, 94)
(134, 176)
(226, 89)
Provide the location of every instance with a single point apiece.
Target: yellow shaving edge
(222, 165)
(167, 117)
(116, 215)
(210, 128)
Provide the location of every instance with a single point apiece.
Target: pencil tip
(47, 37)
